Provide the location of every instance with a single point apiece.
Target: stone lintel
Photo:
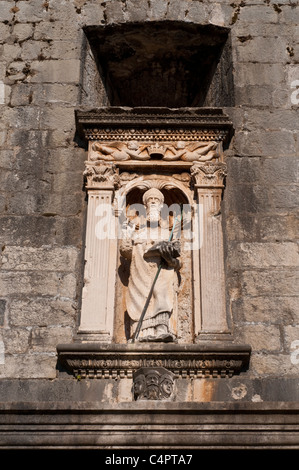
(100, 360)
(145, 122)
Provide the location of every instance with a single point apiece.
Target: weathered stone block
(65, 159)
(60, 71)
(16, 341)
(57, 118)
(253, 97)
(244, 170)
(114, 12)
(261, 337)
(45, 258)
(11, 52)
(275, 310)
(261, 49)
(19, 203)
(23, 117)
(270, 282)
(221, 14)
(137, 10)
(248, 199)
(157, 9)
(276, 228)
(285, 198)
(290, 14)
(264, 255)
(23, 31)
(266, 144)
(45, 339)
(34, 10)
(41, 311)
(271, 120)
(4, 32)
(57, 30)
(32, 50)
(69, 230)
(91, 13)
(28, 230)
(21, 93)
(3, 136)
(58, 93)
(59, 204)
(6, 14)
(271, 364)
(25, 366)
(38, 283)
(244, 31)
(66, 49)
(176, 9)
(250, 14)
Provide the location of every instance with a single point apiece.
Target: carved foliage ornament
(208, 174)
(101, 175)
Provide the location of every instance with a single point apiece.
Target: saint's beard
(153, 214)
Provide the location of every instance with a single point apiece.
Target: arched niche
(177, 196)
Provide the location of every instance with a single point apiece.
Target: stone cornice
(122, 360)
(148, 123)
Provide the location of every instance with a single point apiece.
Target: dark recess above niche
(170, 64)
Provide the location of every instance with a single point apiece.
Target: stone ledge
(96, 360)
(149, 425)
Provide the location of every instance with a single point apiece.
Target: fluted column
(97, 310)
(208, 182)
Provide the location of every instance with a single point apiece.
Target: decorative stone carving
(208, 174)
(133, 150)
(185, 361)
(153, 125)
(153, 383)
(179, 152)
(153, 258)
(209, 183)
(101, 176)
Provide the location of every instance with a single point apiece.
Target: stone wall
(45, 77)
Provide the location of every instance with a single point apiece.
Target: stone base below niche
(98, 360)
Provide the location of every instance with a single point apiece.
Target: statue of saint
(147, 247)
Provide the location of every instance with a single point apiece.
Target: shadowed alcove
(170, 64)
(175, 200)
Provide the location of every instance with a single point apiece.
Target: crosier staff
(138, 328)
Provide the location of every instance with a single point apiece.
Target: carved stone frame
(114, 173)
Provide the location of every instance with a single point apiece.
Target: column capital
(208, 174)
(101, 175)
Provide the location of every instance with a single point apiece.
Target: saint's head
(153, 200)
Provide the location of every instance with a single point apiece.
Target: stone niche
(136, 156)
